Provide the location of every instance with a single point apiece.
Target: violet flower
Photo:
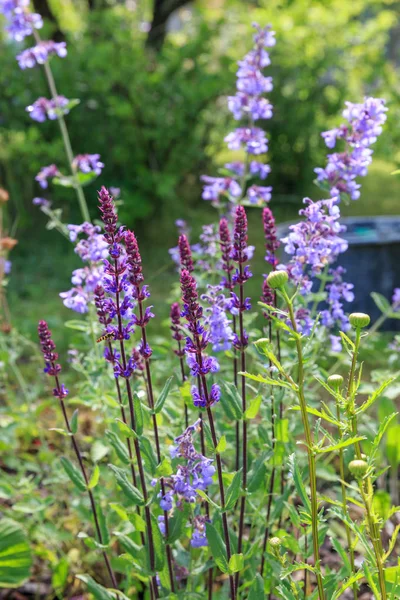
(363, 127)
(40, 53)
(43, 108)
(199, 363)
(249, 105)
(88, 163)
(20, 22)
(216, 319)
(46, 173)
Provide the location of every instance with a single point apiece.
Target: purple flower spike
(185, 253)
(271, 241)
(239, 253)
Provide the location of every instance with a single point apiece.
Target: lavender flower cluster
(20, 21)
(43, 108)
(363, 127)
(250, 105)
(92, 249)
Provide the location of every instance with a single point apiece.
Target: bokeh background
(153, 79)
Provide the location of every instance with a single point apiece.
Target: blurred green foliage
(158, 120)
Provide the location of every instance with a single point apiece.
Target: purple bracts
(271, 241)
(52, 368)
(185, 253)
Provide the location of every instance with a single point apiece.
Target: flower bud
(359, 320)
(358, 467)
(275, 542)
(335, 381)
(277, 279)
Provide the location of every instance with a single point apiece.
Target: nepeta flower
(364, 125)
(199, 538)
(40, 53)
(42, 202)
(88, 163)
(43, 108)
(46, 173)
(199, 399)
(396, 299)
(249, 105)
(314, 242)
(20, 21)
(216, 320)
(195, 472)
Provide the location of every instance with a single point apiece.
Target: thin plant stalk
(154, 585)
(272, 479)
(309, 445)
(65, 136)
(85, 477)
(150, 397)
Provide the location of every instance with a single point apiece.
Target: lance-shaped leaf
(233, 491)
(382, 303)
(217, 547)
(99, 592)
(137, 407)
(269, 380)
(159, 545)
(163, 396)
(177, 523)
(253, 409)
(231, 400)
(74, 474)
(257, 589)
(376, 394)
(236, 563)
(339, 445)
(381, 432)
(119, 447)
(94, 479)
(130, 491)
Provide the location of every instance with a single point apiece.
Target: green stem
(309, 444)
(344, 505)
(65, 137)
(366, 495)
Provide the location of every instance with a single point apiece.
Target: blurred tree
(162, 10)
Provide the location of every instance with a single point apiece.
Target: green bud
(277, 279)
(275, 542)
(358, 467)
(359, 320)
(335, 381)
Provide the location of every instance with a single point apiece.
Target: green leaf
(125, 429)
(294, 472)
(147, 449)
(321, 415)
(130, 491)
(163, 396)
(393, 445)
(221, 446)
(258, 474)
(177, 523)
(100, 592)
(138, 522)
(137, 407)
(94, 480)
(217, 547)
(74, 474)
(236, 563)
(349, 345)
(381, 504)
(375, 395)
(256, 591)
(342, 444)
(231, 400)
(98, 451)
(382, 303)
(74, 421)
(120, 448)
(15, 554)
(164, 469)
(381, 432)
(159, 545)
(60, 575)
(77, 325)
(282, 430)
(204, 496)
(105, 536)
(253, 409)
(233, 491)
(269, 380)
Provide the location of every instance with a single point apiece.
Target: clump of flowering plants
(206, 475)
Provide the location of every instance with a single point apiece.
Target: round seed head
(335, 381)
(359, 320)
(277, 279)
(275, 542)
(358, 467)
